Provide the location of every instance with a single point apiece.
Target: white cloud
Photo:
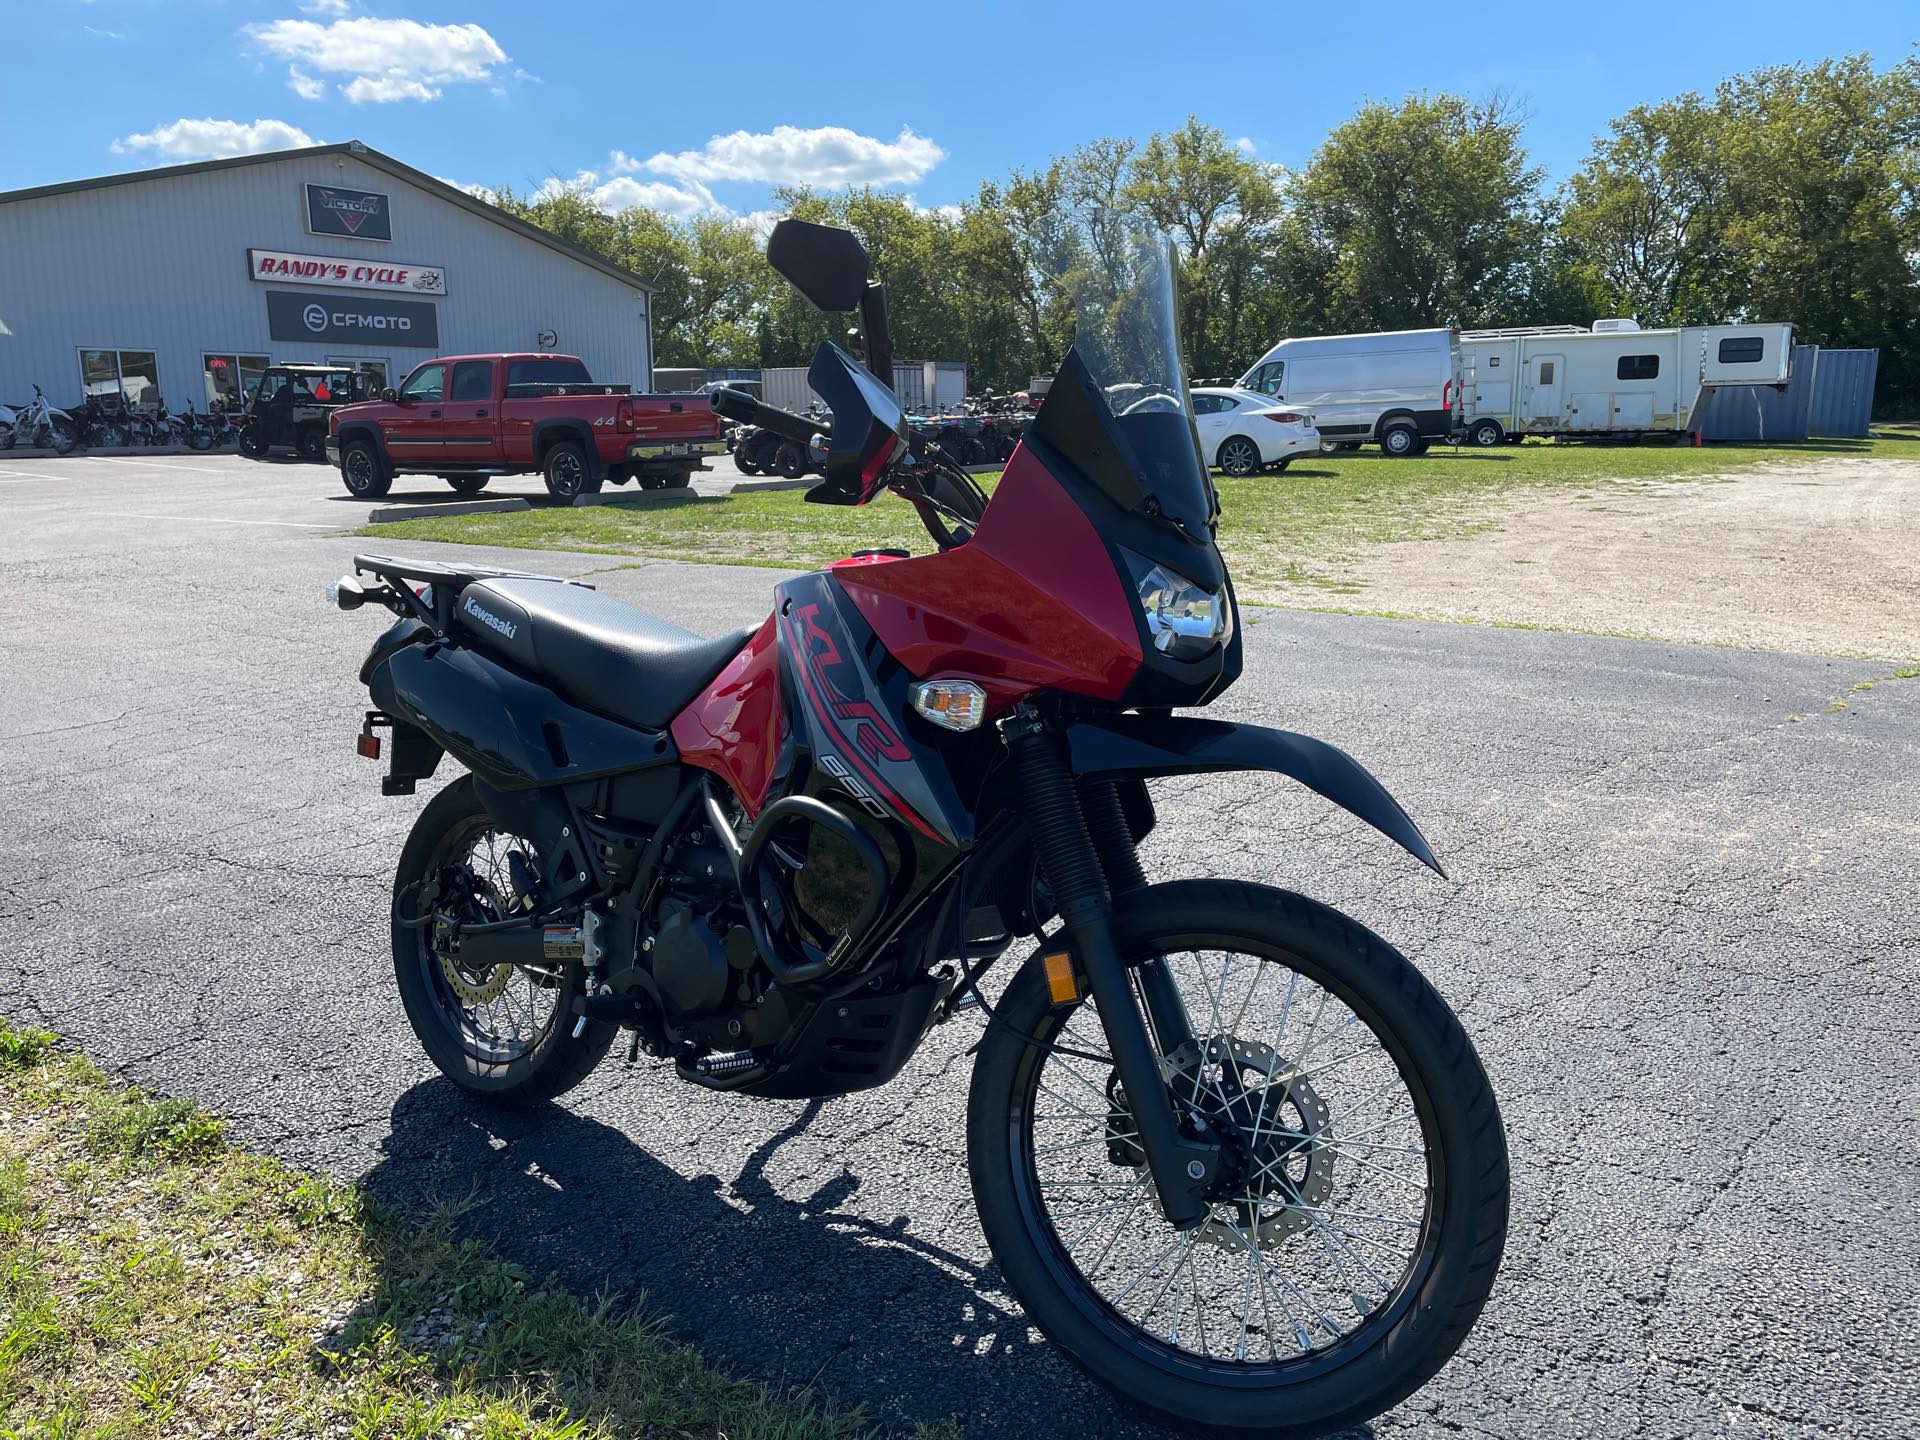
(328, 9)
(829, 156)
(99, 34)
(307, 87)
(760, 222)
(382, 89)
(213, 139)
(1244, 145)
(623, 192)
(388, 60)
(479, 192)
(621, 163)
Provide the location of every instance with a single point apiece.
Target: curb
(672, 495)
(106, 452)
(387, 513)
(749, 487)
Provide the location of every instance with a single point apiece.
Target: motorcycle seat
(599, 653)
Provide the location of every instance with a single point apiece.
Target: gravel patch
(1818, 558)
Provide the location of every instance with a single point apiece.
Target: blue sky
(696, 107)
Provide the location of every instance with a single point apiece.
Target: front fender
(1139, 746)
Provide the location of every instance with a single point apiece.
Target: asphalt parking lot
(1680, 927)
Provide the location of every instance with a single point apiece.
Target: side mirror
(827, 265)
(390, 395)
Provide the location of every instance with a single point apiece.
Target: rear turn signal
(369, 746)
(950, 704)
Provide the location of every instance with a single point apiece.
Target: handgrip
(739, 405)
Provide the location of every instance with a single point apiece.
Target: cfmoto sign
(352, 319)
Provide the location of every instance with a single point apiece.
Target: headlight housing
(1184, 619)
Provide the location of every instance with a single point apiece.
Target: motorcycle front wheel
(1354, 1238)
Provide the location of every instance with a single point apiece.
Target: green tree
(1223, 210)
(1416, 214)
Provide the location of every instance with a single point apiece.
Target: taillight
(624, 418)
(1446, 396)
(1285, 417)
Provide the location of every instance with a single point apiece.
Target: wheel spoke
(1328, 1205)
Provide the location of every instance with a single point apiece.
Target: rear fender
(1136, 746)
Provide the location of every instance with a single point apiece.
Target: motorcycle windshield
(1119, 410)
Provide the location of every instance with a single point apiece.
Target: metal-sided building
(184, 282)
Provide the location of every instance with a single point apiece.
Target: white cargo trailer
(1613, 380)
(928, 386)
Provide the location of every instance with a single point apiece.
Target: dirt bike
(43, 425)
(1231, 1151)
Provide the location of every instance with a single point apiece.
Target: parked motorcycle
(100, 427)
(8, 418)
(1231, 1151)
(44, 426)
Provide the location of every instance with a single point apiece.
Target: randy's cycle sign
(352, 319)
(356, 214)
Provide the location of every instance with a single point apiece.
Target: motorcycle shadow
(791, 1291)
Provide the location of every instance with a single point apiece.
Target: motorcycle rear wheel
(508, 1039)
(1373, 1241)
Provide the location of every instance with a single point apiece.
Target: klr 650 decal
(857, 742)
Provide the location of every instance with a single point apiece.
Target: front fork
(1082, 876)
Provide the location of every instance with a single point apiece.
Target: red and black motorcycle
(1231, 1151)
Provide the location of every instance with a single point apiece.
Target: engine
(700, 962)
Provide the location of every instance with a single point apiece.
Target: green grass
(1278, 531)
(156, 1281)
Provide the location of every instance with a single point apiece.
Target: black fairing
(1162, 682)
(867, 428)
(854, 751)
(1147, 463)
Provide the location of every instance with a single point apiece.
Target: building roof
(419, 179)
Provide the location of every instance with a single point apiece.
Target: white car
(1242, 431)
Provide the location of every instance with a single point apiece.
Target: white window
(114, 374)
(231, 379)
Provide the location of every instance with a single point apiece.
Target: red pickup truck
(467, 418)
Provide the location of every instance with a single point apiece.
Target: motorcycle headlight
(1184, 619)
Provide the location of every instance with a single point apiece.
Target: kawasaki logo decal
(492, 622)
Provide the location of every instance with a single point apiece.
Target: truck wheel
(1486, 432)
(252, 445)
(567, 473)
(466, 484)
(789, 461)
(312, 445)
(360, 469)
(1399, 440)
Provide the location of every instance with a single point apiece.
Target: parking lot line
(211, 519)
(11, 474)
(155, 463)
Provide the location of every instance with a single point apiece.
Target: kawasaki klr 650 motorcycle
(1231, 1151)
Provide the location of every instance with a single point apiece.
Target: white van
(1394, 387)
(1617, 380)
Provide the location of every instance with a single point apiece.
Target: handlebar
(739, 405)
